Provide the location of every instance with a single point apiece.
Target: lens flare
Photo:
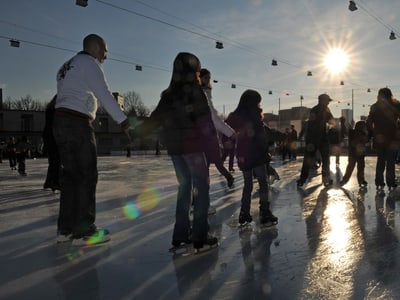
(131, 211)
(145, 201)
(148, 200)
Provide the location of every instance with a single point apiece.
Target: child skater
(251, 154)
(358, 137)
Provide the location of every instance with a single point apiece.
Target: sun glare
(336, 60)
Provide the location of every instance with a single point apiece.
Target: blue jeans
(261, 173)
(78, 177)
(386, 159)
(193, 179)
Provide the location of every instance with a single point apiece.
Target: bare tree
(8, 103)
(133, 104)
(25, 103)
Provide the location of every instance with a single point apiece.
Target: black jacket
(252, 144)
(185, 119)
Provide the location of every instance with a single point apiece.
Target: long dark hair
(386, 94)
(185, 71)
(249, 104)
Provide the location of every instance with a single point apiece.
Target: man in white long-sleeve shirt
(80, 85)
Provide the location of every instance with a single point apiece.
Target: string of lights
(353, 7)
(138, 67)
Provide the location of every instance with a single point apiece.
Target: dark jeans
(310, 153)
(261, 173)
(12, 158)
(193, 179)
(386, 159)
(53, 170)
(78, 177)
(352, 161)
(21, 159)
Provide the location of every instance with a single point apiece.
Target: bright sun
(336, 60)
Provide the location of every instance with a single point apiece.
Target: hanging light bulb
(219, 45)
(14, 43)
(392, 35)
(82, 3)
(352, 6)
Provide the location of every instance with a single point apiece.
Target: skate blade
(182, 250)
(244, 225)
(205, 248)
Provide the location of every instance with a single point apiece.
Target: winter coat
(185, 118)
(382, 122)
(252, 144)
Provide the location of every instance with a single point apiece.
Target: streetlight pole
(279, 113)
(352, 106)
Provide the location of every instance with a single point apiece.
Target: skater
(358, 137)
(11, 152)
(292, 143)
(50, 149)
(185, 118)
(21, 149)
(382, 123)
(80, 85)
(335, 138)
(316, 139)
(251, 154)
(221, 127)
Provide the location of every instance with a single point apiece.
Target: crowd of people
(195, 136)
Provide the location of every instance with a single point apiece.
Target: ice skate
(267, 219)
(363, 185)
(244, 218)
(209, 243)
(181, 247)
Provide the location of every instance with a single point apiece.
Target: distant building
(20, 123)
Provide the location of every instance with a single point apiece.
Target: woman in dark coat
(189, 133)
(251, 154)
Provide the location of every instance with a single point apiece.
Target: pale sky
(298, 34)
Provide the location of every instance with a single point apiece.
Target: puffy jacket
(252, 146)
(185, 118)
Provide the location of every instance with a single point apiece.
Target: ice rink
(330, 243)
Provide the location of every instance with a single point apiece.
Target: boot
(266, 216)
